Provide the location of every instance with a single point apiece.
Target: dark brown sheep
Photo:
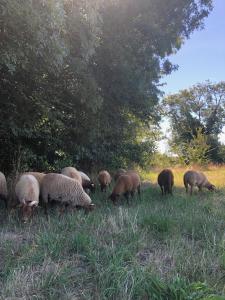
(166, 181)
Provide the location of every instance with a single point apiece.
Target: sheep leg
(132, 194)
(162, 189)
(191, 190)
(186, 187)
(126, 195)
(45, 209)
(139, 190)
(6, 202)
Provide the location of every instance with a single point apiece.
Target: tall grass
(153, 248)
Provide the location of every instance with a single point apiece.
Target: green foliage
(196, 151)
(162, 160)
(197, 117)
(79, 80)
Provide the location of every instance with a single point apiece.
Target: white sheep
(65, 190)
(3, 189)
(27, 192)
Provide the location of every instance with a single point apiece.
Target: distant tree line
(197, 117)
(79, 80)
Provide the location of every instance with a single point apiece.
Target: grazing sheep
(123, 186)
(118, 173)
(166, 181)
(27, 192)
(194, 178)
(3, 189)
(65, 190)
(86, 182)
(136, 181)
(72, 173)
(104, 179)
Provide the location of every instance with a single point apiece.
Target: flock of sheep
(72, 187)
(191, 178)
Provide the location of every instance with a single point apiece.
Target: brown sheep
(123, 186)
(166, 181)
(72, 173)
(104, 179)
(136, 181)
(118, 173)
(194, 178)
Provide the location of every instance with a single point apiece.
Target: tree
(194, 152)
(202, 107)
(79, 79)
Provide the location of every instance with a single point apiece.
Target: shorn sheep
(65, 190)
(3, 189)
(87, 183)
(123, 186)
(166, 181)
(104, 179)
(72, 173)
(27, 193)
(194, 178)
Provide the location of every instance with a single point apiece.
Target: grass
(153, 248)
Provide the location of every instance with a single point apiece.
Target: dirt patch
(156, 258)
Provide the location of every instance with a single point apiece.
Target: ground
(156, 247)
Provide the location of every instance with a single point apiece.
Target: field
(153, 248)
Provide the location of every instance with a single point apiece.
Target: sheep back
(118, 173)
(136, 180)
(38, 175)
(72, 173)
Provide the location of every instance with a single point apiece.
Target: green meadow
(155, 247)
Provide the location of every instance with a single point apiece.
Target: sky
(202, 57)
